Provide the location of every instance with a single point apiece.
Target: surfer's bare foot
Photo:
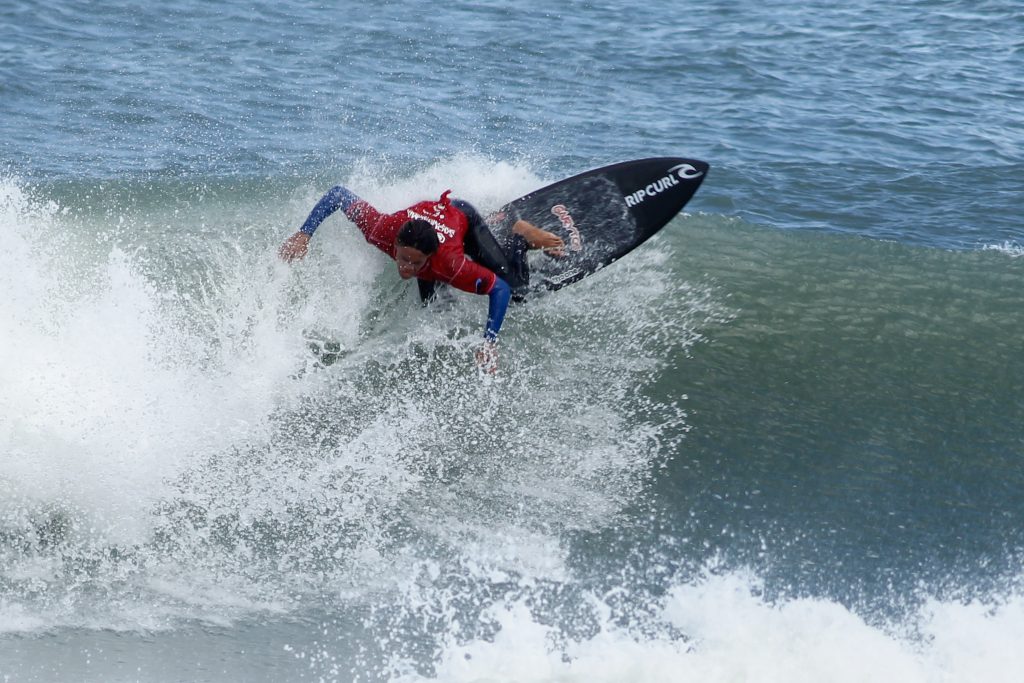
(539, 239)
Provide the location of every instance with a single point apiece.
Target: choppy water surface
(782, 440)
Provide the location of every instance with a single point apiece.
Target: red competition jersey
(449, 263)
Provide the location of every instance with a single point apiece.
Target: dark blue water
(781, 441)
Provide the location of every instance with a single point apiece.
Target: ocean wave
(167, 425)
(721, 629)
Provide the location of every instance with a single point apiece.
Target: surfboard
(602, 214)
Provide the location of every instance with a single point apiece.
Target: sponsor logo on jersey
(675, 174)
(442, 230)
(575, 239)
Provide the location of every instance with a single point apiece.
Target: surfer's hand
(294, 247)
(487, 357)
(537, 238)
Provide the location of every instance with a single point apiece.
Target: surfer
(440, 241)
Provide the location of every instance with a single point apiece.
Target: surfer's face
(410, 261)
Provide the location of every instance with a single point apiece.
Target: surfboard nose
(655, 190)
(604, 213)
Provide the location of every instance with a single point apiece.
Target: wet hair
(419, 235)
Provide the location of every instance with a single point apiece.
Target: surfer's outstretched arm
(487, 355)
(338, 197)
(499, 297)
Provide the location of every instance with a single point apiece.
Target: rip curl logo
(442, 230)
(575, 239)
(686, 171)
(675, 174)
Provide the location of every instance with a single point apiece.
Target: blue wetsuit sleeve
(499, 296)
(337, 198)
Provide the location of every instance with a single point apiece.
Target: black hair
(419, 235)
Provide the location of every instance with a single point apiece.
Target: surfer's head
(415, 244)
